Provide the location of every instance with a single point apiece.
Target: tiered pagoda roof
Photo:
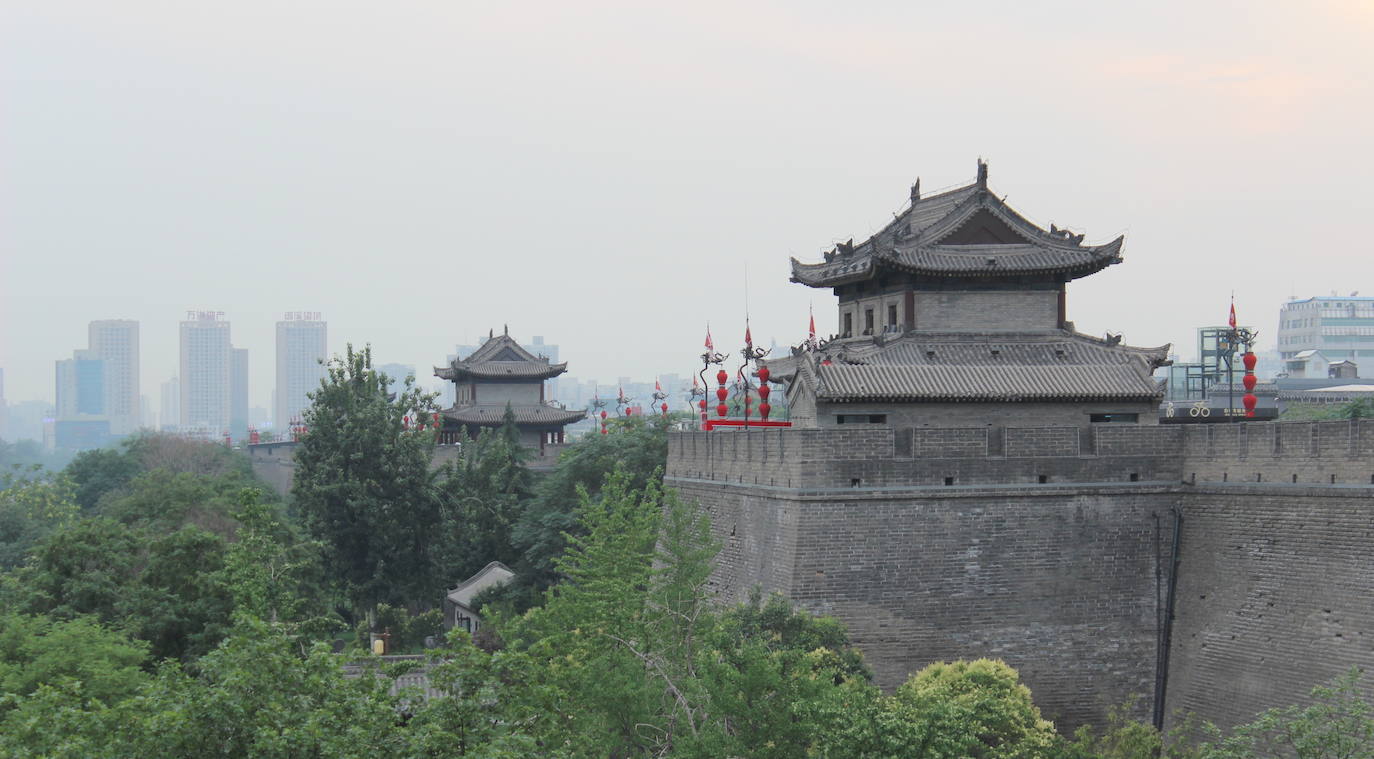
(500, 361)
(543, 415)
(967, 232)
(500, 358)
(960, 367)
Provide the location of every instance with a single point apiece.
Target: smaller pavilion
(500, 375)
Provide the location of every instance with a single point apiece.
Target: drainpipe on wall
(1162, 665)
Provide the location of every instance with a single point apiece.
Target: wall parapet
(1328, 452)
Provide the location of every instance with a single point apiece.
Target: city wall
(1050, 547)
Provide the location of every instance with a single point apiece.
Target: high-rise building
(301, 349)
(80, 386)
(170, 418)
(115, 343)
(238, 394)
(1340, 328)
(206, 374)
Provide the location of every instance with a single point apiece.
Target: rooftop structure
(500, 375)
(955, 309)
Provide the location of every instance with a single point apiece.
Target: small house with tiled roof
(500, 375)
(955, 314)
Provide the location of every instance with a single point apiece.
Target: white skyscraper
(301, 346)
(115, 343)
(206, 368)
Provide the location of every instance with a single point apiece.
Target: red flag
(710, 346)
(748, 338)
(657, 386)
(1232, 320)
(694, 381)
(811, 332)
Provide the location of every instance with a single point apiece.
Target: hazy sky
(603, 174)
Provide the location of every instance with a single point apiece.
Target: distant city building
(396, 373)
(206, 374)
(302, 340)
(147, 417)
(27, 419)
(115, 343)
(238, 393)
(1341, 328)
(80, 388)
(169, 420)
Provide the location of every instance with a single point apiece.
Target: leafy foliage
(1338, 724)
(483, 493)
(364, 487)
(638, 446)
(32, 505)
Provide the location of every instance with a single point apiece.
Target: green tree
(100, 471)
(363, 486)
(483, 493)
(38, 650)
(32, 505)
(274, 574)
(256, 696)
(637, 446)
(1338, 724)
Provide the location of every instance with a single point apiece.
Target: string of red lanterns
(1249, 381)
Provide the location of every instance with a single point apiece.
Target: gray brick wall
(1039, 545)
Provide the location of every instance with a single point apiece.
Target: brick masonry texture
(1048, 547)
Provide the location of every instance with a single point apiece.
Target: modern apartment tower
(301, 347)
(206, 373)
(115, 343)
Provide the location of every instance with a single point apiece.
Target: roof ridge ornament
(982, 173)
(916, 191)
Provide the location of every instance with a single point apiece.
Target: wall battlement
(1316, 453)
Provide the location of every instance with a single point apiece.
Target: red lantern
(722, 409)
(722, 394)
(764, 390)
(629, 411)
(721, 376)
(1249, 381)
(763, 374)
(665, 409)
(603, 414)
(764, 408)
(603, 430)
(1250, 360)
(1249, 400)
(702, 404)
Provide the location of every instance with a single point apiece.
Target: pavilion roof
(500, 357)
(958, 367)
(535, 415)
(967, 232)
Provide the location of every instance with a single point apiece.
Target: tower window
(848, 325)
(868, 321)
(892, 315)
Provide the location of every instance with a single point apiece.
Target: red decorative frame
(709, 424)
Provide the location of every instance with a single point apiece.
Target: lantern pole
(750, 354)
(707, 359)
